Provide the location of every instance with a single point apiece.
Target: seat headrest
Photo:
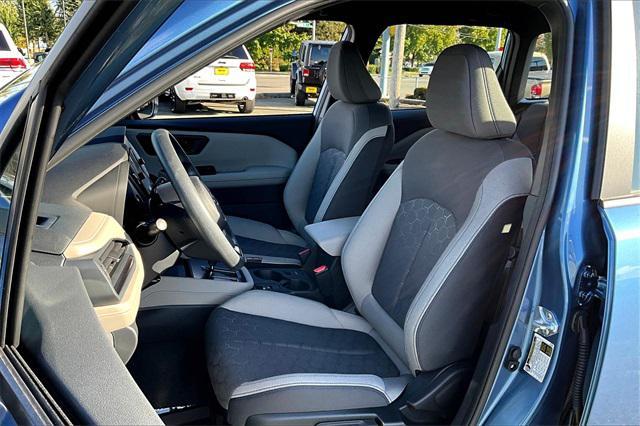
(348, 78)
(464, 96)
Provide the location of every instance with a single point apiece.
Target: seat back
(422, 260)
(335, 174)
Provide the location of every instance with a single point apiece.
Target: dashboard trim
(96, 232)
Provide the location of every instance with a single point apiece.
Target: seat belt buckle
(320, 269)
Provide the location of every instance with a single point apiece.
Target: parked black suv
(309, 70)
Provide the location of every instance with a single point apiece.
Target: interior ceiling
(518, 16)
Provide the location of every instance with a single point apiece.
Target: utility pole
(313, 30)
(271, 59)
(396, 66)
(64, 13)
(499, 39)
(26, 31)
(384, 63)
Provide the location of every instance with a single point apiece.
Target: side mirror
(148, 110)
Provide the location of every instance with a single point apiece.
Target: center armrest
(331, 235)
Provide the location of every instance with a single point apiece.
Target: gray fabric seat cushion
(335, 175)
(263, 240)
(420, 264)
(261, 348)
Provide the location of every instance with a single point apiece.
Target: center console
(297, 282)
(201, 282)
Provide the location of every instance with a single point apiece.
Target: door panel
(226, 160)
(245, 161)
(294, 130)
(409, 120)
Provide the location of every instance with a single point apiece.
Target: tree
(544, 45)
(484, 37)
(66, 8)
(278, 44)
(10, 17)
(329, 30)
(423, 43)
(41, 21)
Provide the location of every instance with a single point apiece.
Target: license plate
(311, 89)
(222, 95)
(221, 71)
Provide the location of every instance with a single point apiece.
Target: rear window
(539, 76)
(237, 53)
(319, 53)
(4, 44)
(538, 64)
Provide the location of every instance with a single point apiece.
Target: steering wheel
(201, 206)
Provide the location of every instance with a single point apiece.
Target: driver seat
(335, 174)
(421, 265)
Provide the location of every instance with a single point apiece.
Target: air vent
(112, 255)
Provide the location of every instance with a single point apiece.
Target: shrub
(420, 93)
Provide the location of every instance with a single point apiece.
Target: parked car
(425, 69)
(309, 70)
(12, 63)
(539, 78)
(252, 271)
(230, 79)
(40, 56)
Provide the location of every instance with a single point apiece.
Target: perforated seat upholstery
(420, 266)
(335, 174)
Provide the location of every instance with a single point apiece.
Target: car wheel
(246, 107)
(179, 106)
(301, 97)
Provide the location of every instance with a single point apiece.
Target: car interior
(341, 265)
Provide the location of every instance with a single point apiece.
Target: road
(268, 106)
(272, 99)
(279, 83)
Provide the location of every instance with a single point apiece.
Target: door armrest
(331, 235)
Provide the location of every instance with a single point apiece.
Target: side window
(404, 81)
(539, 75)
(279, 72)
(7, 180)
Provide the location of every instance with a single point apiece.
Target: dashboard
(81, 224)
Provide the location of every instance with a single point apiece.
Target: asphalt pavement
(272, 99)
(279, 83)
(264, 106)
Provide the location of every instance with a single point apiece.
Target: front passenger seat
(335, 174)
(420, 264)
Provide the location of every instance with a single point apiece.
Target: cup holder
(297, 285)
(293, 281)
(268, 274)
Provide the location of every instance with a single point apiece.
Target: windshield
(319, 53)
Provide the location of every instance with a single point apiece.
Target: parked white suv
(12, 63)
(230, 79)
